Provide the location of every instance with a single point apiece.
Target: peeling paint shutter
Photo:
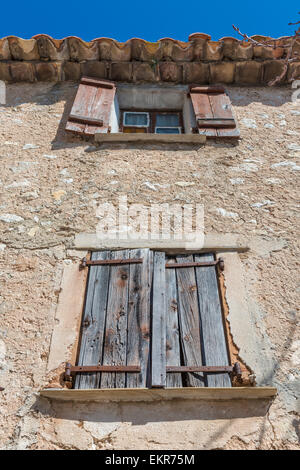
(92, 107)
(116, 321)
(213, 112)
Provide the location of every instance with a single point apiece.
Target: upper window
(100, 106)
(152, 320)
(152, 122)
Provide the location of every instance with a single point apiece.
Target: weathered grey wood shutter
(116, 320)
(144, 300)
(213, 112)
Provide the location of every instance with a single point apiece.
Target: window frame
(167, 127)
(136, 125)
(69, 310)
(152, 118)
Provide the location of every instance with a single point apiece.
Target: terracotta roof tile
(109, 57)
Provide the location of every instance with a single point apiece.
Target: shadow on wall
(47, 93)
(140, 413)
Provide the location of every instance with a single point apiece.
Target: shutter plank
(138, 339)
(101, 109)
(116, 323)
(214, 340)
(203, 110)
(221, 107)
(93, 322)
(158, 357)
(172, 327)
(189, 320)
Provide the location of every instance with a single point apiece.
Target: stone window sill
(146, 394)
(150, 138)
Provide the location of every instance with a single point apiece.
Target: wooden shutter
(116, 321)
(213, 112)
(92, 106)
(194, 324)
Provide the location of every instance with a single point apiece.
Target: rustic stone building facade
(51, 185)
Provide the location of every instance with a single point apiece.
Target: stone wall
(51, 184)
(199, 60)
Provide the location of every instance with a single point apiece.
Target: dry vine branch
(291, 54)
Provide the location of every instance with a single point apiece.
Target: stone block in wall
(143, 50)
(248, 72)
(23, 49)
(199, 41)
(170, 72)
(196, 72)
(71, 71)
(48, 71)
(272, 69)
(52, 49)
(93, 69)
(172, 50)
(4, 49)
(213, 51)
(112, 50)
(223, 72)
(121, 71)
(143, 71)
(293, 71)
(22, 72)
(5, 72)
(81, 50)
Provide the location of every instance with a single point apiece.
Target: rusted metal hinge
(85, 369)
(85, 120)
(234, 370)
(216, 123)
(85, 262)
(219, 262)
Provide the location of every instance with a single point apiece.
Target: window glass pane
(136, 119)
(167, 130)
(167, 120)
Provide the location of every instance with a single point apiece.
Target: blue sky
(150, 20)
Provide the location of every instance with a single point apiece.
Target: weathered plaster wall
(50, 186)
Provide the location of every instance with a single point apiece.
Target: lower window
(152, 320)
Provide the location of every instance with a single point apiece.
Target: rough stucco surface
(49, 192)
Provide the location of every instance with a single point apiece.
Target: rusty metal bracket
(70, 370)
(85, 262)
(216, 123)
(206, 369)
(219, 262)
(235, 370)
